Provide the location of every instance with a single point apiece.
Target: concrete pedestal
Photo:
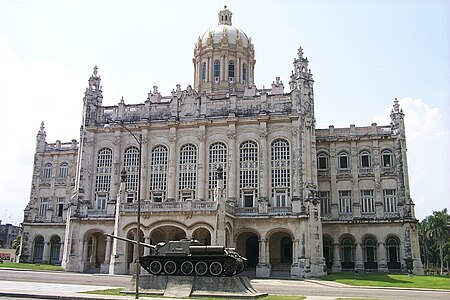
(204, 286)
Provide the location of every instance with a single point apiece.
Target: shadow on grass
(350, 276)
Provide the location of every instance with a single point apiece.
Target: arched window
(204, 72)
(248, 173)
(131, 165)
(217, 158)
(55, 247)
(370, 254)
(280, 168)
(38, 251)
(47, 172)
(216, 71)
(103, 177)
(63, 170)
(347, 253)
(387, 159)
(244, 72)
(328, 252)
(322, 161)
(231, 71)
(158, 174)
(393, 253)
(343, 160)
(365, 159)
(188, 172)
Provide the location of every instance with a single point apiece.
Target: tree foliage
(434, 237)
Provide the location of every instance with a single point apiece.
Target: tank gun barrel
(130, 241)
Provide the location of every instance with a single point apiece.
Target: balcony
(170, 206)
(365, 171)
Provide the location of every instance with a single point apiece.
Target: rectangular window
(345, 202)
(157, 196)
(59, 206)
(323, 164)
(248, 198)
(43, 207)
(101, 201)
(325, 203)
(367, 202)
(390, 201)
(131, 197)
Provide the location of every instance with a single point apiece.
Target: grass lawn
(391, 280)
(117, 292)
(30, 266)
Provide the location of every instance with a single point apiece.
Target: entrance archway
(203, 236)
(247, 244)
(55, 249)
(280, 251)
(95, 252)
(393, 253)
(38, 252)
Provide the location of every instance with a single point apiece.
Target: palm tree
(439, 230)
(424, 241)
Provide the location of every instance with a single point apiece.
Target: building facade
(293, 199)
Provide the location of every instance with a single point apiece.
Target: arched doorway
(38, 251)
(131, 247)
(95, 252)
(328, 252)
(55, 249)
(370, 254)
(393, 254)
(280, 252)
(347, 254)
(203, 236)
(247, 244)
(252, 251)
(286, 250)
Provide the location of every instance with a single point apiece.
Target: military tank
(189, 257)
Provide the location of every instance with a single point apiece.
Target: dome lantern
(224, 58)
(225, 16)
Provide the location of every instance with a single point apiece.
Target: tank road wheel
(187, 268)
(170, 267)
(201, 268)
(229, 266)
(215, 268)
(155, 267)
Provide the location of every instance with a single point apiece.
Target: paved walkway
(71, 291)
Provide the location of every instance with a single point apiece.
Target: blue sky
(362, 54)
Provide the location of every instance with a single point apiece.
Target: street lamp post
(138, 217)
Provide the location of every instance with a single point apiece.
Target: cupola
(223, 58)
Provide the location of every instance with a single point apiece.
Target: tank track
(192, 266)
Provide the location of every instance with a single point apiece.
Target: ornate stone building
(293, 199)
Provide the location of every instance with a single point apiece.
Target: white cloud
(32, 92)
(428, 142)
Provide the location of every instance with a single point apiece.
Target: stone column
(336, 267)
(172, 178)
(46, 253)
(143, 183)
(232, 163)
(146, 249)
(263, 268)
(264, 163)
(382, 262)
(359, 262)
(61, 252)
(108, 250)
(202, 183)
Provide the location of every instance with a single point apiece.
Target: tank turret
(190, 258)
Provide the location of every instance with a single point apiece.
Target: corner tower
(224, 59)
